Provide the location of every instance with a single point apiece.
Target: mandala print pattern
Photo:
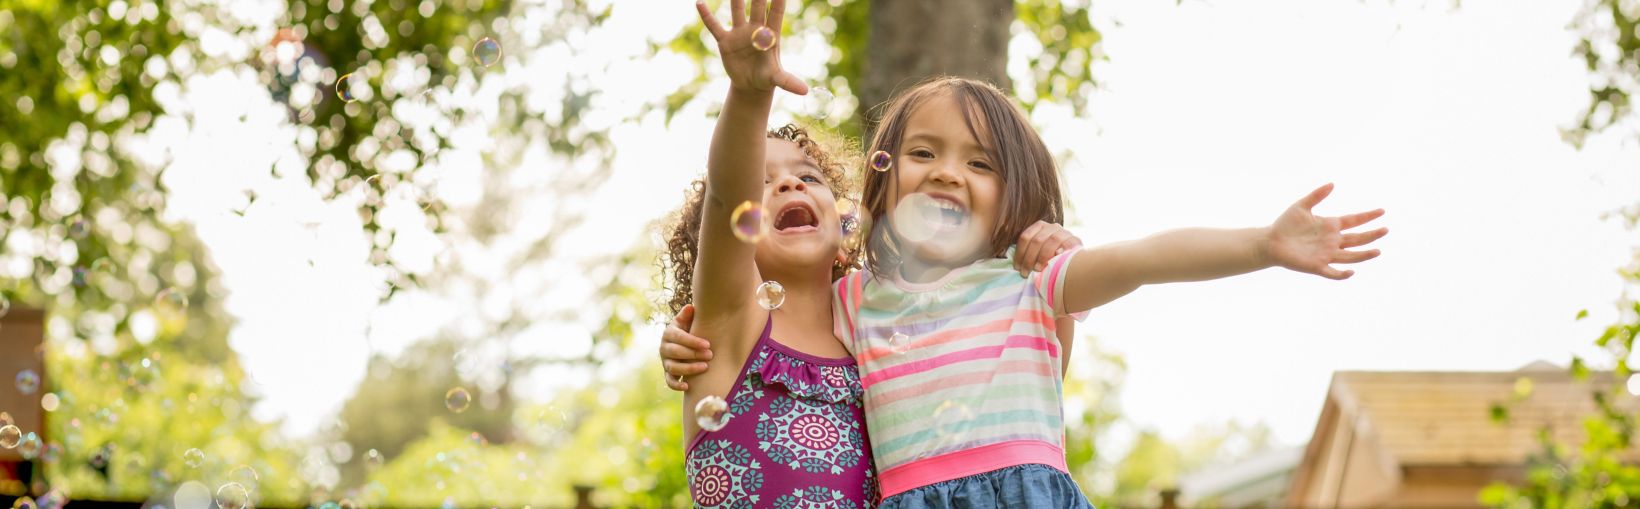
(808, 437)
(724, 475)
(814, 497)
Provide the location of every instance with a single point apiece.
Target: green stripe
(935, 431)
(920, 410)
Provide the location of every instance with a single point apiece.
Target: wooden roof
(1444, 418)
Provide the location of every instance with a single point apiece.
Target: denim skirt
(1024, 486)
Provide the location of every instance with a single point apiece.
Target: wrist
(1261, 246)
(741, 90)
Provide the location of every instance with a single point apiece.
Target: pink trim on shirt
(968, 462)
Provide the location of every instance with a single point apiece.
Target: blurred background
(401, 253)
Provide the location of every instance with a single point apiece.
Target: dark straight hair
(1030, 179)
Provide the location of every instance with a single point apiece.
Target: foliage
(1154, 463)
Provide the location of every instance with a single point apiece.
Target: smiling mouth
(944, 214)
(796, 217)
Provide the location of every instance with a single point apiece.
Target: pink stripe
(968, 462)
(1053, 279)
(979, 377)
(983, 352)
(947, 336)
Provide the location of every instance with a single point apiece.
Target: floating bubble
(951, 418)
(819, 103)
(79, 276)
(373, 459)
(99, 458)
(1634, 384)
(79, 228)
(477, 439)
(27, 381)
(347, 503)
(457, 400)
(193, 457)
(49, 402)
(192, 495)
(747, 221)
(6, 420)
(171, 300)
(10, 436)
(712, 413)
(30, 446)
(5, 306)
(23, 502)
(899, 342)
(771, 295)
(51, 453)
(349, 89)
(849, 225)
(487, 51)
(918, 218)
(245, 476)
(763, 38)
(233, 496)
(881, 161)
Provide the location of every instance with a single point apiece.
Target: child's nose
(791, 186)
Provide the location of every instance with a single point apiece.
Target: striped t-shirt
(961, 375)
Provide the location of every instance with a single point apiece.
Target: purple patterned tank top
(795, 436)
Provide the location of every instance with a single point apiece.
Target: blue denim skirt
(1025, 486)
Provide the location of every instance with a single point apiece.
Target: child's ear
(842, 257)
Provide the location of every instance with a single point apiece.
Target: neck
(808, 298)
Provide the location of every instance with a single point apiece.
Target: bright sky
(1212, 114)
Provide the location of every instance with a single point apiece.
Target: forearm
(735, 166)
(1196, 254)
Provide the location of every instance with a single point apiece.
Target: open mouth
(943, 213)
(796, 217)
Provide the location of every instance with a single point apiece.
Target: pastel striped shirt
(961, 375)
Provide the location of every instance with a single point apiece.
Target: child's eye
(923, 153)
(981, 165)
(813, 179)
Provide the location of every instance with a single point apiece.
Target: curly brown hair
(682, 227)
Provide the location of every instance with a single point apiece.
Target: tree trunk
(910, 40)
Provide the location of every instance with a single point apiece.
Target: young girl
(791, 434)
(961, 378)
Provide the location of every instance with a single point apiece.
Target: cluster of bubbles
(712, 413)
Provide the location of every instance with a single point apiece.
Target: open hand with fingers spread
(750, 46)
(1304, 242)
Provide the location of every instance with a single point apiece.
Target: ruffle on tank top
(803, 378)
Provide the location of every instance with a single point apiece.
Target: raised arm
(1298, 240)
(725, 275)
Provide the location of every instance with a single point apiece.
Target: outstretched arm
(724, 273)
(1298, 240)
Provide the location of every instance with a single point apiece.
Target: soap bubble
(819, 102)
(30, 446)
(192, 495)
(712, 413)
(5, 306)
(881, 161)
(171, 300)
(79, 228)
(770, 295)
(373, 459)
(349, 89)
(233, 496)
(245, 476)
(763, 38)
(193, 457)
(951, 418)
(27, 381)
(457, 400)
(747, 221)
(487, 51)
(899, 342)
(23, 502)
(10, 436)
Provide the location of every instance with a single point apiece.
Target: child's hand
(1040, 243)
(682, 353)
(747, 65)
(1304, 242)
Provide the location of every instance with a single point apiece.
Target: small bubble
(849, 225)
(192, 495)
(233, 496)
(23, 502)
(171, 300)
(79, 276)
(10, 436)
(487, 51)
(347, 88)
(347, 503)
(747, 221)
(79, 228)
(49, 402)
(881, 161)
(30, 446)
(5, 306)
(899, 342)
(771, 295)
(51, 452)
(457, 400)
(763, 38)
(819, 103)
(245, 476)
(28, 381)
(373, 459)
(712, 413)
(193, 457)
(477, 439)
(951, 418)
